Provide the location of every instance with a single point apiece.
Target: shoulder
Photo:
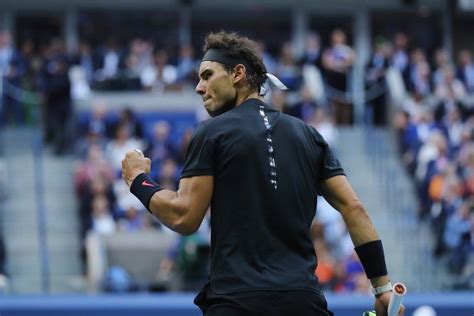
(314, 136)
(309, 132)
(210, 128)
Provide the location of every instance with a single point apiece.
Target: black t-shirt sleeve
(329, 165)
(200, 154)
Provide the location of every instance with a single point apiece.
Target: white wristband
(382, 289)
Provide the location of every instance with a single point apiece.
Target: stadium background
(83, 80)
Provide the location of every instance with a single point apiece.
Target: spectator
(375, 77)
(416, 106)
(306, 107)
(169, 174)
(466, 162)
(91, 139)
(457, 235)
(445, 192)
(85, 60)
(451, 88)
(160, 147)
(7, 52)
(287, 69)
(139, 58)
(121, 144)
(337, 63)
(183, 145)
(110, 61)
(161, 75)
(400, 58)
(32, 63)
(441, 60)
(187, 65)
(133, 220)
(312, 54)
(102, 221)
(12, 69)
(128, 119)
(434, 169)
(408, 140)
(417, 56)
(421, 78)
(325, 268)
(455, 128)
(97, 186)
(95, 166)
(268, 59)
(355, 280)
(98, 122)
(57, 92)
(125, 199)
(466, 69)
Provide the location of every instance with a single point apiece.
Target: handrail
(41, 211)
(21, 95)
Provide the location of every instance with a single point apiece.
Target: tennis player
(260, 171)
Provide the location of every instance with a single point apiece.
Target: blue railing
(41, 212)
(445, 304)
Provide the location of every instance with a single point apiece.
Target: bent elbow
(185, 228)
(355, 206)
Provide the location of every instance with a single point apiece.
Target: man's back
(266, 166)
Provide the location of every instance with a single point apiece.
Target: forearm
(170, 210)
(358, 224)
(170, 207)
(181, 211)
(362, 231)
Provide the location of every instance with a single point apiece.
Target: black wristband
(143, 187)
(372, 257)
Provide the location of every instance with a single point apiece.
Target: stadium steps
(372, 165)
(20, 219)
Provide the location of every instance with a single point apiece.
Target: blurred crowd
(435, 128)
(141, 65)
(105, 203)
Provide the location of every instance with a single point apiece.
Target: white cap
(424, 310)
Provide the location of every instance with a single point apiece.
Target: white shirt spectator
(119, 146)
(111, 64)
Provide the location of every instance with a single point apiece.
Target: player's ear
(239, 73)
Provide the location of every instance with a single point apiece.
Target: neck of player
(245, 95)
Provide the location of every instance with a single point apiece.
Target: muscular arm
(181, 211)
(339, 193)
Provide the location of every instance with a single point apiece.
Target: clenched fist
(134, 164)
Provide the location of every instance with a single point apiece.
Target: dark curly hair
(236, 46)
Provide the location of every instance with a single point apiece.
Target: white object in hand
(398, 291)
(139, 151)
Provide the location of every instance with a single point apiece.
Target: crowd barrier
(445, 304)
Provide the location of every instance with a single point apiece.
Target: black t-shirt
(266, 167)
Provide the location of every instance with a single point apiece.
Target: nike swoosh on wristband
(147, 184)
